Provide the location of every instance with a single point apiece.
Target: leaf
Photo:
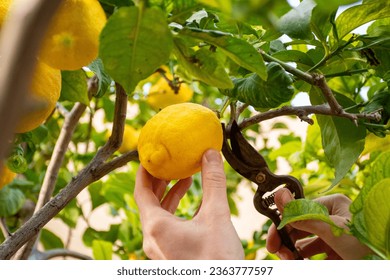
(70, 214)
(380, 169)
(102, 250)
(104, 80)
(74, 87)
(296, 23)
(91, 234)
(49, 240)
(116, 187)
(203, 65)
(238, 50)
(377, 216)
(332, 5)
(11, 201)
(263, 94)
(342, 141)
(223, 5)
(294, 56)
(305, 209)
(95, 193)
(133, 44)
(361, 14)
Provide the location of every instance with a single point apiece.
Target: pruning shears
(245, 160)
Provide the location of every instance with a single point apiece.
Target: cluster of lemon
(72, 41)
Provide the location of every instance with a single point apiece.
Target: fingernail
(213, 156)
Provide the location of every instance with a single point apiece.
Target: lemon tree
(178, 69)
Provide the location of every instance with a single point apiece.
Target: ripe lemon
(44, 91)
(172, 142)
(6, 176)
(72, 40)
(162, 95)
(130, 139)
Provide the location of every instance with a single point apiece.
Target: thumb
(214, 183)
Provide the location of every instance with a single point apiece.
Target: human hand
(208, 235)
(324, 241)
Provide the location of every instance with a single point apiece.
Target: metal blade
(242, 149)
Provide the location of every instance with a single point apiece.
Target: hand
(324, 241)
(208, 235)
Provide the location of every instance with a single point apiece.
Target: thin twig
(303, 113)
(51, 175)
(4, 228)
(54, 253)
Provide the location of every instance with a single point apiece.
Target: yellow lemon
(172, 142)
(162, 95)
(44, 91)
(6, 176)
(72, 40)
(130, 139)
(4, 7)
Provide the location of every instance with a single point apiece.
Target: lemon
(72, 40)
(6, 176)
(162, 95)
(172, 142)
(4, 7)
(130, 139)
(44, 91)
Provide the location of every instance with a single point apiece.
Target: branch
(94, 171)
(4, 228)
(54, 253)
(20, 40)
(303, 113)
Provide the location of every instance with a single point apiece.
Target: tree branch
(4, 228)
(95, 170)
(303, 113)
(20, 39)
(54, 253)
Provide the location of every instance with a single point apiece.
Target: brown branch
(94, 171)
(20, 40)
(4, 228)
(303, 113)
(54, 253)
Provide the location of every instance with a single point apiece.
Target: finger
(337, 204)
(214, 200)
(144, 196)
(175, 194)
(282, 197)
(273, 242)
(159, 187)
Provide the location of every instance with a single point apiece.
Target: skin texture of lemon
(130, 139)
(6, 176)
(44, 93)
(172, 142)
(72, 40)
(162, 95)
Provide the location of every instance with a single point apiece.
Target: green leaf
(91, 234)
(134, 43)
(238, 50)
(332, 5)
(11, 201)
(305, 209)
(377, 216)
(116, 187)
(202, 64)
(296, 23)
(49, 240)
(263, 94)
(294, 56)
(343, 142)
(95, 193)
(223, 5)
(70, 214)
(104, 80)
(361, 14)
(102, 250)
(74, 87)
